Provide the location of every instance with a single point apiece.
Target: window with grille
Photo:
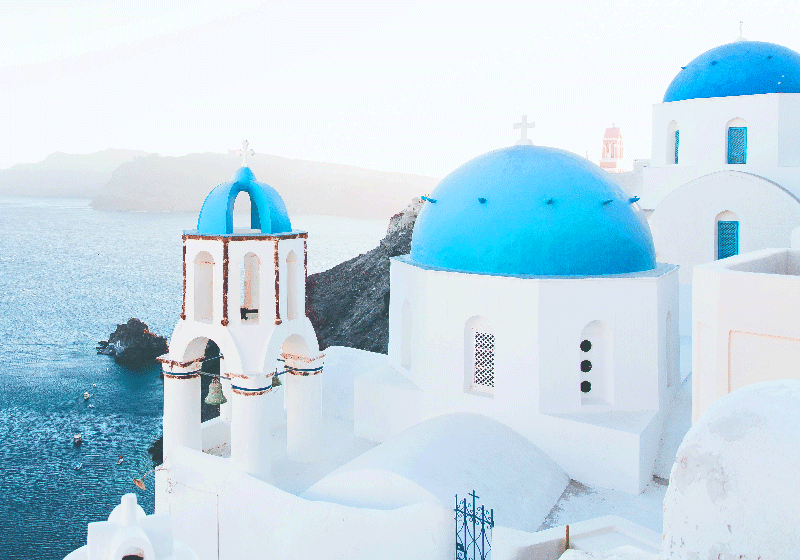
(677, 143)
(483, 377)
(737, 144)
(727, 239)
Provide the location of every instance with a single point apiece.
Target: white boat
(86, 396)
(77, 439)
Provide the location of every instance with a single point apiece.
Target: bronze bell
(215, 395)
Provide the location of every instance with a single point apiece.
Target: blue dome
(267, 210)
(528, 210)
(740, 68)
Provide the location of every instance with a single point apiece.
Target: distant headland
(130, 180)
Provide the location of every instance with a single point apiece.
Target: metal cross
(740, 28)
(524, 126)
(244, 152)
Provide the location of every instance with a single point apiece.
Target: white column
(303, 411)
(251, 429)
(225, 409)
(181, 410)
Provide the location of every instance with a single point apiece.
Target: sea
(68, 275)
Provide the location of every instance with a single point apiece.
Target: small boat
(77, 439)
(78, 466)
(94, 385)
(86, 396)
(119, 461)
(91, 406)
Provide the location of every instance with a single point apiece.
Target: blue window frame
(727, 239)
(737, 144)
(677, 143)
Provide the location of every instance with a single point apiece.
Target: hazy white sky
(407, 86)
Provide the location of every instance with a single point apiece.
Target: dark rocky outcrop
(133, 343)
(349, 304)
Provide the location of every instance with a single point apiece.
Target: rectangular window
(483, 379)
(737, 144)
(727, 239)
(677, 142)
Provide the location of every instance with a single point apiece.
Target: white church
(533, 340)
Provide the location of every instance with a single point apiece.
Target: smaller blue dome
(740, 68)
(530, 210)
(267, 210)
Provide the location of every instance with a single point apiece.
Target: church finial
(524, 126)
(244, 152)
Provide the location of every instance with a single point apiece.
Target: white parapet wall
(745, 323)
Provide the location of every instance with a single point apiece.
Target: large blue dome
(740, 68)
(528, 210)
(267, 210)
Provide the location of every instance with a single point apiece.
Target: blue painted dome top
(739, 68)
(529, 210)
(267, 210)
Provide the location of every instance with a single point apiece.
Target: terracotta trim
(304, 359)
(181, 375)
(173, 363)
(225, 282)
(183, 302)
(265, 237)
(277, 286)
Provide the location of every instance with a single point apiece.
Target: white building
(724, 176)
(745, 327)
(532, 296)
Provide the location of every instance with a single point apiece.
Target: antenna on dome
(244, 152)
(740, 37)
(524, 126)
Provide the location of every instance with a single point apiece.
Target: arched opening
(292, 285)
(405, 337)
(673, 143)
(595, 351)
(250, 289)
(737, 141)
(204, 287)
(208, 353)
(479, 356)
(133, 553)
(727, 234)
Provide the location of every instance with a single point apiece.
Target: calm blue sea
(68, 275)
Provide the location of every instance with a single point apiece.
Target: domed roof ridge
(738, 68)
(531, 210)
(267, 209)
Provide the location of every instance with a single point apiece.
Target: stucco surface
(729, 494)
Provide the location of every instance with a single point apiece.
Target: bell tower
(611, 159)
(244, 289)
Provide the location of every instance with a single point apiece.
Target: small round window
(586, 386)
(586, 365)
(586, 345)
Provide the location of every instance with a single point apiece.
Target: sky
(416, 87)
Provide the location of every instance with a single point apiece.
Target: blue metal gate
(737, 144)
(473, 530)
(727, 239)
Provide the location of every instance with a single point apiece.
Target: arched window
(250, 289)
(204, 287)
(405, 339)
(673, 142)
(737, 141)
(727, 241)
(596, 364)
(479, 353)
(292, 285)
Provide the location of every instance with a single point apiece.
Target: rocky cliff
(349, 304)
(133, 342)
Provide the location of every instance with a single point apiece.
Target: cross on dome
(740, 37)
(524, 126)
(244, 152)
